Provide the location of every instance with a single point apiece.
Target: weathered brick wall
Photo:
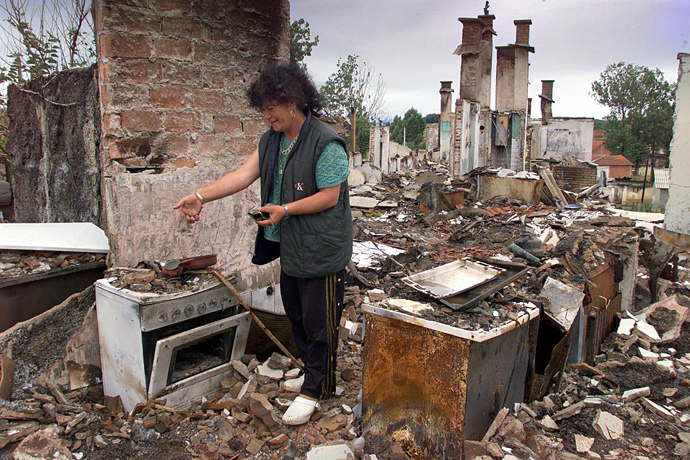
(175, 117)
(54, 135)
(574, 178)
(174, 74)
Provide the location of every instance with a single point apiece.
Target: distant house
(599, 150)
(614, 166)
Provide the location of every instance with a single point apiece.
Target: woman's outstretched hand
(190, 208)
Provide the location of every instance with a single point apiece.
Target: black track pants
(314, 307)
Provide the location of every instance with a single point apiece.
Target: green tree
(642, 104)
(432, 118)
(351, 90)
(56, 36)
(300, 41)
(409, 130)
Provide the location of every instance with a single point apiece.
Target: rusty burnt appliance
(436, 385)
(177, 346)
(73, 257)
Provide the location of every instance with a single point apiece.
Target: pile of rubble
(14, 264)
(633, 404)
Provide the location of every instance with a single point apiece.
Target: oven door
(191, 357)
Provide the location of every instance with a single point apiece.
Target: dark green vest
(311, 245)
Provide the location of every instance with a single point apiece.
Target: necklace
(285, 151)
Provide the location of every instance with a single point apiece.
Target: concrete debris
(579, 414)
(333, 452)
(631, 395)
(609, 426)
(582, 443)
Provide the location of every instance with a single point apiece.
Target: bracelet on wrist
(200, 198)
(287, 213)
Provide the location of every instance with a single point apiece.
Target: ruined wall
(562, 136)
(574, 178)
(54, 141)
(677, 210)
(173, 81)
(431, 133)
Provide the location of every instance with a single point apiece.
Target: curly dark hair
(285, 83)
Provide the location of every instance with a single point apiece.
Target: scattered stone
(278, 441)
(667, 365)
(254, 446)
(332, 452)
(39, 446)
(241, 368)
(99, 441)
(631, 395)
(225, 429)
(348, 375)
(332, 423)
(569, 411)
(657, 409)
(266, 371)
(376, 295)
(608, 425)
(682, 403)
(292, 374)
(278, 361)
(682, 450)
(669, 392)
(646, 354)
(583, 443)
(647, 330)
(549, 424)
(262, 410)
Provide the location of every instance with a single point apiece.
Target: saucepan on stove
(177, 267)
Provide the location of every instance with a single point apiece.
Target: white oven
(177, 347)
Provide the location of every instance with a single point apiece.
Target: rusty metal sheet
(452, 278)
(27, 296)
(513, 271)
(601, 313)
(415, 385)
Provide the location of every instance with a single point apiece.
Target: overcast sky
(411, 43)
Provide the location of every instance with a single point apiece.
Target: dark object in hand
(258, 215)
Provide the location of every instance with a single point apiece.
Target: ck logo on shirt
(299, 186)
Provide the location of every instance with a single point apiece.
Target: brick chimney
(522, 31)
(546, 97)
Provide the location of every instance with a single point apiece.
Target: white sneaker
(300, 411)
(294, 385)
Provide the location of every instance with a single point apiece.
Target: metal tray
(453, 278)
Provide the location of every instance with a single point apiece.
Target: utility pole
(353, 115)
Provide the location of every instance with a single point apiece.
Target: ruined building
(163, 113)
(505, 137)
(483, 136)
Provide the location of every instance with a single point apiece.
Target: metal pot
(177, 267)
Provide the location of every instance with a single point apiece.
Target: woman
(302, 164)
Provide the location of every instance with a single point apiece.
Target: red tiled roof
(613, 160)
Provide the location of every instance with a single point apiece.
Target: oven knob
(189, 310)
(212, 305)
(176, 314)
(223, 302)
(162, 317)
(201, 308)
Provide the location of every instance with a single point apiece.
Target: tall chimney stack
(522, 31)
(546, 97)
